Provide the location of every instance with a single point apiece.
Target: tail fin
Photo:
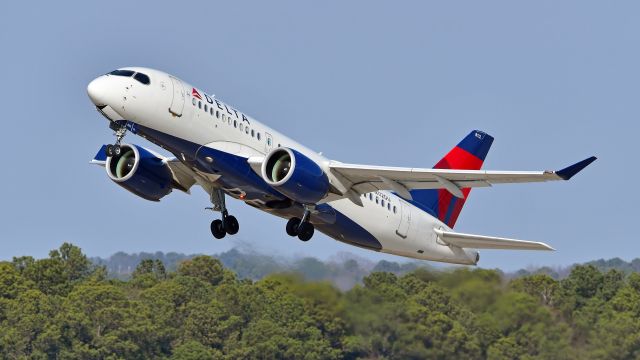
(469, 154)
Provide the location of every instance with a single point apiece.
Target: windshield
(142, 78)
(126, 73)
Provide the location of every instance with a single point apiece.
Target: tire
(117, 150)
(109, 150)
(292, 226)
(217, 230)
(231, 225)
(306, 231)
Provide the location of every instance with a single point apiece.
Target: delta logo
(195, 93)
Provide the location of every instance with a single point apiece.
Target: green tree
(541, 286)
(205, 268)
(193, 350)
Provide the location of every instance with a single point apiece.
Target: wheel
(231, 225)
(117, 150)
(109, 150)
(306, 231)
(217, 230)
(292, 226)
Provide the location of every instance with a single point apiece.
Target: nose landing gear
(120, 130)
(301, 228)
(228, 224)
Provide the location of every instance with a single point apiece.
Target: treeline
(65, 307)
(343, 271)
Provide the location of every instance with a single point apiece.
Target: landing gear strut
(120, 130)
(301, 228)
(228, 224)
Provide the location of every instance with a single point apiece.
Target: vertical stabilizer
(469, 154)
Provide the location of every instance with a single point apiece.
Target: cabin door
(177, 101)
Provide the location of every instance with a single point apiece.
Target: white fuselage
(183, 113)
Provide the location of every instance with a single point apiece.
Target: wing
(183, 176)
(488, 242)
(363, 178)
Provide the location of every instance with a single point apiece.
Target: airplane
(409, 212)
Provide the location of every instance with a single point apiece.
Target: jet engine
(140, 172)
(295, 176)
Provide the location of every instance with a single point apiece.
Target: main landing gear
(228, 224)
(120, 130)
(301, 228)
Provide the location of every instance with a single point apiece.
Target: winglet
(568, 172)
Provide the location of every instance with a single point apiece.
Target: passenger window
(258, 135)
(246, 130)
(376, 199)
(235, 124)
(199, 104)
(211, 111)
(206, 108)
(218, 114)
(382, 203)
(370, 197)
(224, 118)
(193, 101)
(395, 210)
(389, 206)
(142, 78)
(241, 126)
(253, 133)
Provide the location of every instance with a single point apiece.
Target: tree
(205, 268)
(11, 282)
(148, 273)
(59, 273)
(543, 287)
(194, 350)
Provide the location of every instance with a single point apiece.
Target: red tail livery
(469, 154)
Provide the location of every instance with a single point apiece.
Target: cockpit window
(142, 78)
(126, 73)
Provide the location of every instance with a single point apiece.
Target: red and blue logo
(195, 93)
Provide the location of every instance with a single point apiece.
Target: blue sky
(386, 83)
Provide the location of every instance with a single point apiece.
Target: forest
(67, 306)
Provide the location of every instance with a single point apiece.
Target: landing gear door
(268, 144)
(405, 219)
(177, 100)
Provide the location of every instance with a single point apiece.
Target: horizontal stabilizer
(488, 242)
(101, 156)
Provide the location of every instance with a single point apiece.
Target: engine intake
(295, 176)
(140, 172)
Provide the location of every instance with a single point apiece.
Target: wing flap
(183, 176)
(488, 242)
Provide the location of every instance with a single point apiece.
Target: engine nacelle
(140, 172)
(295, 176)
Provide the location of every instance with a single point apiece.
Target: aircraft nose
(97, 91)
